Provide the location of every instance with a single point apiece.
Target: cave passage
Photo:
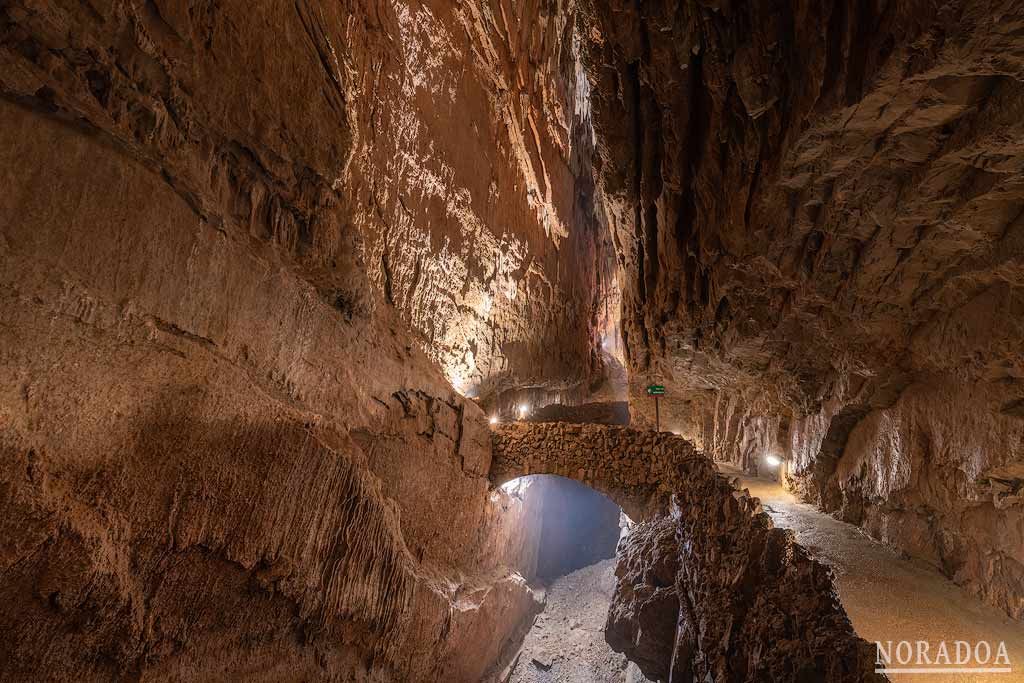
(578, 526)
(337, 338)
(579, 532)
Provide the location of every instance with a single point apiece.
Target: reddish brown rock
(223, 451)
(715, 593)
(817, 211)
(643, 617)
(254, 255)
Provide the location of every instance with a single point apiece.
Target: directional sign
(656, 390)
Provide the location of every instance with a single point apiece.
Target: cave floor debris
(889, 597)
(566, 643)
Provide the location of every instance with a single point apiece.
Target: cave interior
(512, 341)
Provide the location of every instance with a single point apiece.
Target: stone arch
(734, 576)
(637, 469)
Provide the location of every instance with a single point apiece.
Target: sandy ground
(566, 643)
(890, 598)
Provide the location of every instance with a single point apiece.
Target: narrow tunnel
(345, 340)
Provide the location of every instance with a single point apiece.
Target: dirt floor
(566, 643)
(889, 597)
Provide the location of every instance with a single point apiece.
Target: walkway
(889, 598)
(566, 643)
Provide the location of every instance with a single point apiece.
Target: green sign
(656, 390)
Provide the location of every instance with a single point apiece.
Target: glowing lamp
(772, 461)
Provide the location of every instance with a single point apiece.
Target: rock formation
(237, 241)
(636, 469)
(817, 212)
(263, 265)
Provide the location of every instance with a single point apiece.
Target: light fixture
(523, 410)
(494, 419)
(772, 460)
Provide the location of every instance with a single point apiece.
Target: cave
(512, 341)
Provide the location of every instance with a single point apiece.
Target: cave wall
(445, 148)
(817, 210)
(472, 178)
(251, 255)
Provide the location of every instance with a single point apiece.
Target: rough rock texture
(186, 489)
(817, 211)
(470, 184)
(253, 254)
(714, 592)
(636, 469)
(446, 147)
(762, 608)
(645, 610)
(220, 448)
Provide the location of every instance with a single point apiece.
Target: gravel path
(566, 643)
(889, 597)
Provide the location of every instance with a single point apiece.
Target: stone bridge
(637, 469)
(711, 578)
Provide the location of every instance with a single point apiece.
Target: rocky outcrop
(817, 212)
(221, 444)
(714, 592)
(645, 610)
(714, 582)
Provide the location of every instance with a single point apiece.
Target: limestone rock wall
(187, 489)
(443, 149)
(245, 249)
(470, 184)
(816, 209)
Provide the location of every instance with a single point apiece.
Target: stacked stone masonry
(635, 469)
(724, 595)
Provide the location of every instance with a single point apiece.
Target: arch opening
(577, 531)
(574, 524)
